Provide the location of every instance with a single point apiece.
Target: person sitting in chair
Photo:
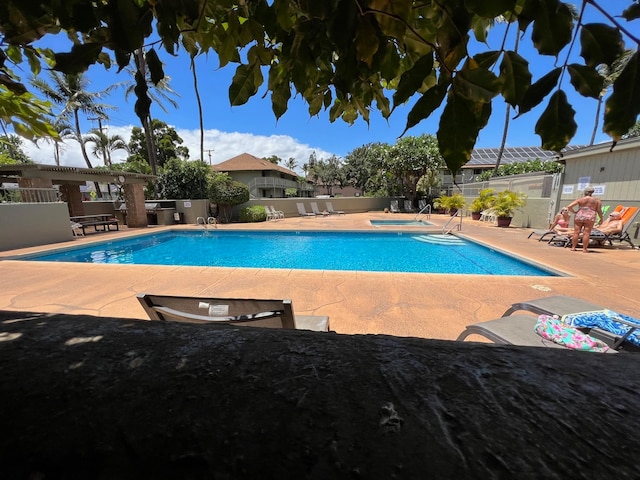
(613, 224)
(560, 223)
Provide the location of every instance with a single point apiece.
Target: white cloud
(223, 146)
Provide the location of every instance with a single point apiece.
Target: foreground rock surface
(89, 397)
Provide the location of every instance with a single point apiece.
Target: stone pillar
(73, 196)
(134, 198)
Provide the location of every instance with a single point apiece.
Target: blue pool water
(410, 223)
(376, 252)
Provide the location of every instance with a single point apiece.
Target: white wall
(30, 224)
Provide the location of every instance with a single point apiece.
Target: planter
(475, 215)
(504, 221)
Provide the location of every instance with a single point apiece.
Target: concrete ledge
(90, 397)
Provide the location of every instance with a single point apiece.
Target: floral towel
(556, 331)
(605, 320)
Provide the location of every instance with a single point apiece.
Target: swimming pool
(404, 223)
(359, 251)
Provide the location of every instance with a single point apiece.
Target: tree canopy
(344, 56)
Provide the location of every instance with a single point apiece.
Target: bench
(102, 220)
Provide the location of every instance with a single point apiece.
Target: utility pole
(209, 152)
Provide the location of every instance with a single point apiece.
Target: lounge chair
(519, 329)
(316, 210)
(408, 206)
(393, 206)
(77, 229)
(273, 214)
(233, 311)
(279, 213)
(489, 215)
(332, 211)
(302, 212)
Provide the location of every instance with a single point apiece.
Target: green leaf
(280, 99)
(366, 41)
(412, 79)
(632, 12)
(490, 8)
(586, 80)
(460, 123)
(155, 66)
(623, 105)
(538, 90)
(556, 126)
(426, 104)
(475, 83)
(552, 27)
(122, 59)
(600, 44)
(78, 59)
(515, 77)
(487, 59)
(245, 84)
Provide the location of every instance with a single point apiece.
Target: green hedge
(257, 213)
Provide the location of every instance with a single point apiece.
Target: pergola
(71, 178)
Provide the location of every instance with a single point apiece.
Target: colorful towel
(605, 320)
(556, 331)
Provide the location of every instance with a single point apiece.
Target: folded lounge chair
(617, 330)
(332, 211)
(232, 311)
(302, 212)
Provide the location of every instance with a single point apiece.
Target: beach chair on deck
(230, 311)
(628, 216)
(316, 210)
(302, 212)
(617, 330)
(408, 206)
(77, 229)
(394, 207)
(332, 211)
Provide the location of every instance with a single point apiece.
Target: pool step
(439, 239)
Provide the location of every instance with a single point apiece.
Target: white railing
(447, 228)
(29, 195)
(424, 212)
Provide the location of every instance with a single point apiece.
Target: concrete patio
(401, 304)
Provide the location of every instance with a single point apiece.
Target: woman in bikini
(589, 209)
(560, 223)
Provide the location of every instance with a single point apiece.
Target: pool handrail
(425, 211)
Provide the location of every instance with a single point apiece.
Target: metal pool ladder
(454, 224)
(424, 212)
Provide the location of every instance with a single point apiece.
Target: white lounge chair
(77, 229)
(272, 213)
(393, 206)
(332, 211)
(279, 213)
(302, 212)
(316, 210)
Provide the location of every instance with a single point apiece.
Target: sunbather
(560, 223)
(613, 224)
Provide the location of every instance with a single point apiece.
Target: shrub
(257, 213)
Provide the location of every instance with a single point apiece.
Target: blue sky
(252, 127)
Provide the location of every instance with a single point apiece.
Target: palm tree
(105, 144)
(291, 163)
(69, 90)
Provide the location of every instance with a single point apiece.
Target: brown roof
(246, 162)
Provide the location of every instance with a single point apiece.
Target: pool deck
(399, 304)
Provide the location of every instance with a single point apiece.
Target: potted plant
(505, 205)
(452, 203)
(482, 202)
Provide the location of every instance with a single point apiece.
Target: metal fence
(29, 195)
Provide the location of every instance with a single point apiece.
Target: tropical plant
(11, 151)
(516, 168)
(184, 179)
(226, 192)
(507, 202)
(69, 91)
(256, 213)
(483, 201)
(451, 203)
(105, 144)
